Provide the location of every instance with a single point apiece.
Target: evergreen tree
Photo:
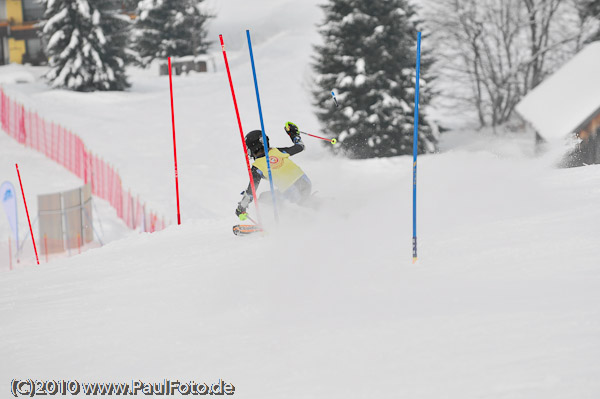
(117, 26)
(170, 28)
(369, 59)
(80, 55)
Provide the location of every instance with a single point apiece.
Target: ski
(245, 229)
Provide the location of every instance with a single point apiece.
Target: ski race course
(502, 303)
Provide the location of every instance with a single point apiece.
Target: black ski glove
(292, 130)
(239, 210)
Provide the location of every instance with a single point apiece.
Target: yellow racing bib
(285, 172)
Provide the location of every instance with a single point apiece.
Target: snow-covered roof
(566, 99)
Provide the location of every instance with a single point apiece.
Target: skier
(290, 181)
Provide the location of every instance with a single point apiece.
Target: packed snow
(502, 303)
(12, 74)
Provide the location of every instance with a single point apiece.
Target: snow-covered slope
(502, 303)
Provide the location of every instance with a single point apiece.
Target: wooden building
(588, 151)
(19, 41)
(567, 105)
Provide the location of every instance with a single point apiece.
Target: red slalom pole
(27, 211)
(174, 144)
(237, 114)
(332, 141)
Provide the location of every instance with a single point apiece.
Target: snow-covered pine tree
(81, 57)
(368, 58)
(170, 28)
(117, 26)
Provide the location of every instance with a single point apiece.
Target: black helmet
(254, 142)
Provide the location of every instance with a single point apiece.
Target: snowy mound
(15, 73)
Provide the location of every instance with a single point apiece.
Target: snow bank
(14, 73)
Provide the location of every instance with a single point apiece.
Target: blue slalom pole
(415, 148)
(262, 126)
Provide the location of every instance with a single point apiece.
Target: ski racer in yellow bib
(290, 181)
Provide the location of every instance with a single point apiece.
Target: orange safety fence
(68, 149)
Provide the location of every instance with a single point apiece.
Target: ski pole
(334, 99)
(252, 220)
(249, 218)
(332, 141)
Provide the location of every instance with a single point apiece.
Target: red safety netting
(67, 149)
